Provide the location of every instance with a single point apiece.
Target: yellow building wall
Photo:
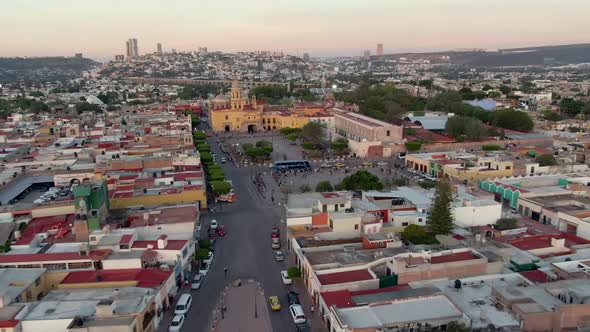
(52, 279)
(185, 197)
(237, 120)
(284, 121)
(475, 174)
(53, 210)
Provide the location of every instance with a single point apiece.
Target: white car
(177, 323)
(39, 201)
(223, 160)
(204, 269)
(214, 224)
(197, 281)
(285, 277)
(209, 259)
(297, 314)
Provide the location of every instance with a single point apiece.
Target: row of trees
(215, 175)
(278, 94)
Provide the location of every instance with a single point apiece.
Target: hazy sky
(321, 27)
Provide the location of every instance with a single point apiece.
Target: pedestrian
(225, 270)
(312, 308)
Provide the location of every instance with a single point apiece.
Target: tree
(220, 187)
(312, 132)
(441, 216)
(206, 157)
(571, 107)
(505, 89)
(512, 119)
(413, 146)
(293, 272)
(340, 145)
(204, 244)
(546, 160)
(324, 186)
(418, 235)
(551, 116)
(426, 83)
(506, 223)
(457, 327)
(305, 188)
(362, 180)
(427, 184)
(201, 254)
(472, 128)
(87, 107)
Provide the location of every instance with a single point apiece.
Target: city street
(245, 251)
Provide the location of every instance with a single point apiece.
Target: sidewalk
(246, 309)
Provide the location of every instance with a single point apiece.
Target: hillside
(42, 69)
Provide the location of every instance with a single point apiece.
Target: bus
(292, 165)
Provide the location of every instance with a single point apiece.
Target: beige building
(367, 137)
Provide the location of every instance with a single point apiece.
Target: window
(356, 226)
(17, 299)
(94, 213)
(507, 167)
(37, 281)
(124, 246)
(404, 224)
(388, 133)
(93, 238)
(227, 117)
(341, 205)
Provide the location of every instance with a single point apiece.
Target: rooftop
(344, 277)
(147, 278)
(14, 281)
(399, 312)
(172, 244)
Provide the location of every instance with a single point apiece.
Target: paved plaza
(245, 309)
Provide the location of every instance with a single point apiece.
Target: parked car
(209, 259)
(279, 256)
(292, 298)
(223, 160)
(339, 165)
(212, 235)
(285, 277)
(275, 232)
(274, 303)
(177, 323)
(204, 268)
(367, 164)
(303, 327)
(214, 224)
(382, 163)
(297, 314)
(197, 280)
(276, 243)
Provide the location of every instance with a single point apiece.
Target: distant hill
(525, 56)
(43, 68)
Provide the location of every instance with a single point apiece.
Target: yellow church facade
(237, 113)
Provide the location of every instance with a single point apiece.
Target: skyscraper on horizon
(379, 49)
(159, 48)
(367, 55)
(132, 48)
(305, 56)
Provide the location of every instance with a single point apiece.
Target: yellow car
(367, 164)
(340, 165)
(274, 303)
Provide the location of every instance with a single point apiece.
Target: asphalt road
(245, 250)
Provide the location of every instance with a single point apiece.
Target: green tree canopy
(506, 223)
(260, 150)
(340, 145)
(472, 128)
(362, 180)
(324, 186)
(312, 132)
(512, 119)
(201, 254)
(418, 235)
(441, 217)
(551, 116)
(546, 160)
(220, 187)
(413, 146)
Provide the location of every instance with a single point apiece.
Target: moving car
(223, 160)
(285, 277)
(279, 256)
(339, 165)
(274, 303)
(214, 224)
(221, 231)
(297, 314)
(177, 323)
(382, 163)
(367, 164)
(197, 281)
(204, 268)
(292, 298)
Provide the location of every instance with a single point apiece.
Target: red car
(221, 231)
(276, 232)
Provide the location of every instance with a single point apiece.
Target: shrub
(324, 186)
(201, 254)
(205, 244)
(308, 145)
(413, 146)
(491, 147)
(293, 272)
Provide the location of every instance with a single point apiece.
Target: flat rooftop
(399, 312)
(343, 257)
(14, 281)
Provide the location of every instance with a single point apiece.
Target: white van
(297, 314)
(183, 304)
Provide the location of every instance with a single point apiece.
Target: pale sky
(99, 29)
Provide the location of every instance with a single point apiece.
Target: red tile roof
(9, 323)
(344, 277)
(536, 276)
(172, 244)
(126, 239)
(343, 298)
(460, 256)
(44, 224)
(544, 241)
(145, 277)
(58, 256)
